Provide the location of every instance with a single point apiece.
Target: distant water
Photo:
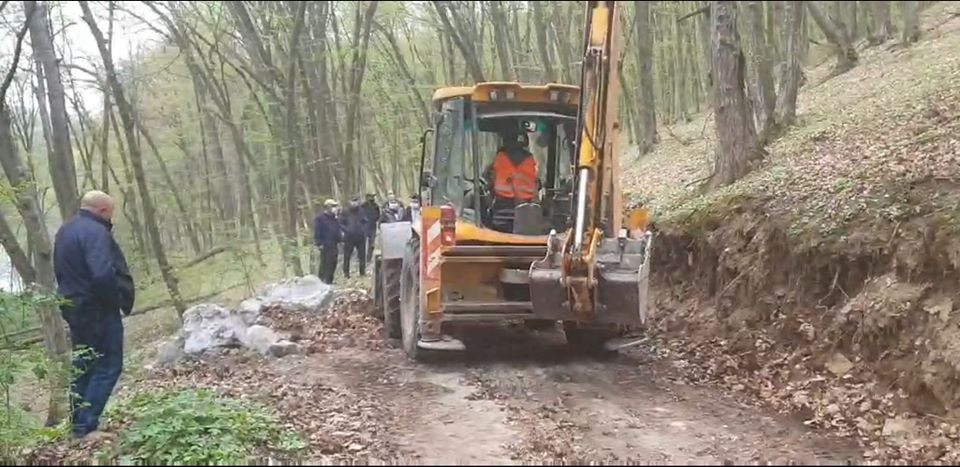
(9, 279)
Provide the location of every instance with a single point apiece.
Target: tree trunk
(851, 13)
(361, 41)
(911, 30)
(126, 115)
(55, 338)
(737, 147)
(185, 215)
(211, 141)
(646, 109)
(790, 81)
(540, 24)
(293, 142)
(63, 171)
(836, 34)
(882, 25)
(501, 32)
(454, 27)
(766, 95)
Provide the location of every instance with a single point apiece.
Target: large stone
(206, 326)
(283, 348)
(171, 351)
(899, 429)
(838, 364)
(302, 293)
(249, 311)
(259, 338)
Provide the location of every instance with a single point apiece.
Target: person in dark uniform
(372, 214)
(327, 236)
(354, 225)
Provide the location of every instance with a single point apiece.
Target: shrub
(197, 427)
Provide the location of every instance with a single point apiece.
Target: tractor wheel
(378, 300)
(390, 271)
(588, 339)
(410, 301)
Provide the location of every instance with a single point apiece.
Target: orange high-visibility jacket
(515, 181)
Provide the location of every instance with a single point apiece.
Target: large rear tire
(410, 301)
(391, 270)
(378, 300)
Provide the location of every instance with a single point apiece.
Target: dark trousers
(97, 364)
(328, 263)
(371, 242)
(358, 243)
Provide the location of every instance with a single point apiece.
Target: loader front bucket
(621, 294)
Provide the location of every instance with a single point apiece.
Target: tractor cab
(503, 156)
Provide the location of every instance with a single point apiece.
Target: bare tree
(549, 75)
(882, 26)
(40, 271)
(790, 81)
(762, 62)
(647, 109)
(838, 37)
(133, 146)
(501, 38)
(911, 29)
(458, 30)
(62, 167)
(737, 149)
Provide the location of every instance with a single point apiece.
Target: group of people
(355, 228)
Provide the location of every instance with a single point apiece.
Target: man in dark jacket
(327, 236)
(95, 282)
(408, 211)
(393, 210)
(372, 214)
(355, 229)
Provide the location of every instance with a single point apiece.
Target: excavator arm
(598, 269)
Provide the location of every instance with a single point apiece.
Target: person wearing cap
(327, 236)
(354, 225)
(372, 214)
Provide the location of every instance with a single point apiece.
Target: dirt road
(518, 397)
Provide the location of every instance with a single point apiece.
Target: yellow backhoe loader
(563, 251)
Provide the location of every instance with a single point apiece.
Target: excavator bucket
(622, 283)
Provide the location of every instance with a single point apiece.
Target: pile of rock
(209, 326)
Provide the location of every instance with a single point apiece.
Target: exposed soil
(516, 396)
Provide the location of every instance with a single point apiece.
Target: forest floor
(518, 396)
(806, 315)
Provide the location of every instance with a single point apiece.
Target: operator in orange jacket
(513, 172)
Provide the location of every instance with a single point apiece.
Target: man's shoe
(94, 437)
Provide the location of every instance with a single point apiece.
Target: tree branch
(701, 11)
(18, 48)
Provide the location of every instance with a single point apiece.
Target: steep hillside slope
(830, 277)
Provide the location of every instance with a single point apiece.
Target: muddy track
(516, 397)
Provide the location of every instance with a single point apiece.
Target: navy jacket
(92, 272)
(371, 214)
(326, 230)
(354, 222)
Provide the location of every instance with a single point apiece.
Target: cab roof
(523, 93)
